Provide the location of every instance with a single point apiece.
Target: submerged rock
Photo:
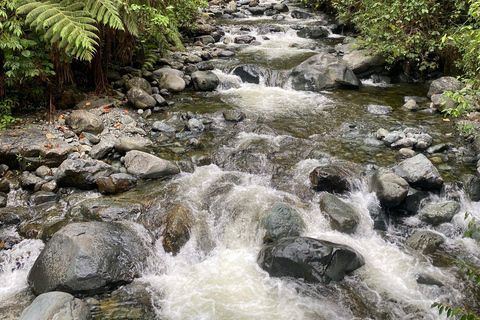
(71, 263)
(56, 305)
(419, 173)
(177, 229)
(343, 216)
(390, 188)
(282, 221)
(311, 260)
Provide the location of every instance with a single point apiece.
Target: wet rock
(322, 71)
(428, 280)
(471, 185)
(404, 143)
(280, 7)
(313, 32)
(41, 197)
(12, 215)
(82, 120)
(159, 99)
(56, 305)
(424, 140)
(233, 115)
(439, 148)
(445, 84)
(379, 217)
(377, 109)
(257, 10)
(425, 241)
(333, 177)
(411, 105)
(343, 216)
(248, 73)
(171, 82)
(107, 209)
(390, 188)
(192, 58)
(29, 180)
(140, 83)
(81, 173)
(392, 137)
(205, 80)
(205, 66)
(311, 260)
(3, 169)
(406, 153)
(438, 213)
(282, 221)
(3, 199)
(140, 99)
(414, 201)
(162, 127)
(297, 14)
(177, 229)
(225, 54)
(419, 173)
(125, 144)
(100, 150)
(246, 39)
(147, 166)
(117, 257)
(362, 62)
(195, 125)
(4, 185)
(116, 183)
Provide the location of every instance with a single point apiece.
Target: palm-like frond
(105, 11)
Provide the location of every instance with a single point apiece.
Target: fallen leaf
(446, 120)
(50, 136)
(81, 137)
(61, 116)
(87, 104)
(2, 244)
(106, 109)
(48, 146)
(125, 111)
(118, 125)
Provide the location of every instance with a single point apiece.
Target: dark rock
(233, 115)
(82, 120)
(12, 215)
(140, 83)
(205, 66)
(29, 180)
(248, 73)
(280, 7)
(379, 217)
(117, 257)
(442, 102)
(313, 32)
(244, 39)
(471, 186)
(205, 80)
(177, 229)
(390, 188)
(3, 169)
(419, 173)
(56, 305)
(3, 199)
(148, 166)
(296, 14)
(380, 110)
(81, 174)
(425, 241)
(362, 62)
(439, 148)
(322, 71)
(257, 11)
(445, 84)
(414, 201)
(343, 216)
(438, 213)
(311, 260)
(428, 280)
(116, 183)
(282, 221)
(334, 177)
(41, 197)
(140, 99)
(159, 99)
(4, 185)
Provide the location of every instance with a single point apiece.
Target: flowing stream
(243, 168)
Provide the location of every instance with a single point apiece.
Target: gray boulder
(438, 213)
(125, 144)
(442, 102)
(56, 305)
(146, 166)
(282, 221)
(116, 183)
(471, 185)
(140, 99)
(205, 80)
(445, 84)
(362, 62)
(167, 70)
(71, 263)
(171, 82)
(425, 241)
(82, 120)
(335, 176)
(343, 216)
(177, 229)
(419, 173)
(81, 173)
(311, 260)
(390, 188)
(139, 83)
(313, 32)
(322, 71)
(101, 149)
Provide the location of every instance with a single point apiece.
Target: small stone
(407, 153)
(411, 105)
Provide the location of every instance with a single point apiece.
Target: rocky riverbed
(273, 170)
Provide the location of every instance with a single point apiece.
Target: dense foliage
(42, 41)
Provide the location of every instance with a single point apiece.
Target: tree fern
(104, 11)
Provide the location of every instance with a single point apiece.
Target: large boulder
(146, 166)
(282, 221)
(312, 260)
(205, 80)
(343, 216)
(177, 229)
(81, 173)
(139, 83)
(445, 84)
(140, 99)
(363, 63)
(419, 173)
(437, 213)
(88, 257)
(171, 82)
(335, 176)
(116, 183)
(390, 188)
(323, 71)
(425, 241)
(84, 121)
(56, 305)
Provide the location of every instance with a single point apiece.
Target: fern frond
(65, 24)
(105, 11)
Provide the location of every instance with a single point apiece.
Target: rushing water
(242, 169)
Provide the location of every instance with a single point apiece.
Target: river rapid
(241, 169)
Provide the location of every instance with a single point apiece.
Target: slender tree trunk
(99, 79)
